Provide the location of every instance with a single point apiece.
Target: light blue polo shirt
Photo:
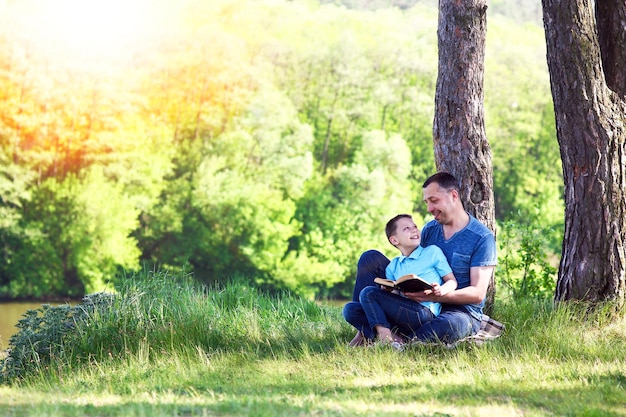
(429, 263)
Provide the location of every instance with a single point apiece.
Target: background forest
(267, 139)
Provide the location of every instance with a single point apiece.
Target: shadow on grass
(601, 395)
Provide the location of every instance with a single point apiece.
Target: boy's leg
(452, 324)
(389, 311)
(371, 264)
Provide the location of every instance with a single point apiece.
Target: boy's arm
(449, 284)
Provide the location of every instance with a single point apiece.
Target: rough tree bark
(460, 141)
(587, 66)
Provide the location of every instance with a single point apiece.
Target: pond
(10, 313)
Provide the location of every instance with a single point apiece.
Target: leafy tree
(17, 239)
(344, 212)
(84, 227)
(359, 73)
(234, 214)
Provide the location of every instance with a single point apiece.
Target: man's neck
(458, 223)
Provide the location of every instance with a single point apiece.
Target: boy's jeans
(380, 307)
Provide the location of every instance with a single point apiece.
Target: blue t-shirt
(428, 263)
(472, 246)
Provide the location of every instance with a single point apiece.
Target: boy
(378, 309)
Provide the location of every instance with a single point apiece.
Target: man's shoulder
(432, 250)
(476, 226)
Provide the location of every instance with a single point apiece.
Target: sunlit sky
(88, 29)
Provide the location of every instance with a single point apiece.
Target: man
(469, 247)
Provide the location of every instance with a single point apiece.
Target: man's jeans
(371, 265)
(378, 307)
(452, 324)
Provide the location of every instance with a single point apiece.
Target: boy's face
(407, 235)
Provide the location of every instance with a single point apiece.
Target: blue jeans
(378, 307)
(452, 324)
(371, 264)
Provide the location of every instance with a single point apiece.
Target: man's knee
(351, 309)
(447, 328)
(372, 259)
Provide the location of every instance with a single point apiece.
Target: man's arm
(475, 293)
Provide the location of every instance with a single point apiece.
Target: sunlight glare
(93, 29)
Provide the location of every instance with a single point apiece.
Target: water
(10, 313)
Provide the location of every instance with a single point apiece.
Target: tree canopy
(271, 139)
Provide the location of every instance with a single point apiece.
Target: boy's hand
(436, 291)
(426, 295)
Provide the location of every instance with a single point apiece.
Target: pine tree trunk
(591, 131)
(460, 141)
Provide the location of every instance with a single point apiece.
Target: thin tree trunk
(461, 145)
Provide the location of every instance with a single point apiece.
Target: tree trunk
(611, 17)
(461, 146)
(590, 122)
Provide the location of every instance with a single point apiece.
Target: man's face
(440, 202)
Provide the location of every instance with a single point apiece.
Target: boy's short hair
(391, 227)
(445, 180)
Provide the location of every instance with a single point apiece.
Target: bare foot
(357, 340)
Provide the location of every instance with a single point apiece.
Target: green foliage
(347, 82)
(344, 211)
(521, 129)
(18, 239)
(271, 140)
(523, 265)
(91, 220)
(518, 10)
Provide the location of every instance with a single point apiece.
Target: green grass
(166, 347)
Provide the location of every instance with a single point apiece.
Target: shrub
(45, 333)
(523, 266)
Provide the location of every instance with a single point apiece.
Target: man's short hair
(445, 180)
(391, 227)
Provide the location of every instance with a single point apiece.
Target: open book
(406, 283)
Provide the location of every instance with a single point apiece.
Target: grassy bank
(165, 347)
